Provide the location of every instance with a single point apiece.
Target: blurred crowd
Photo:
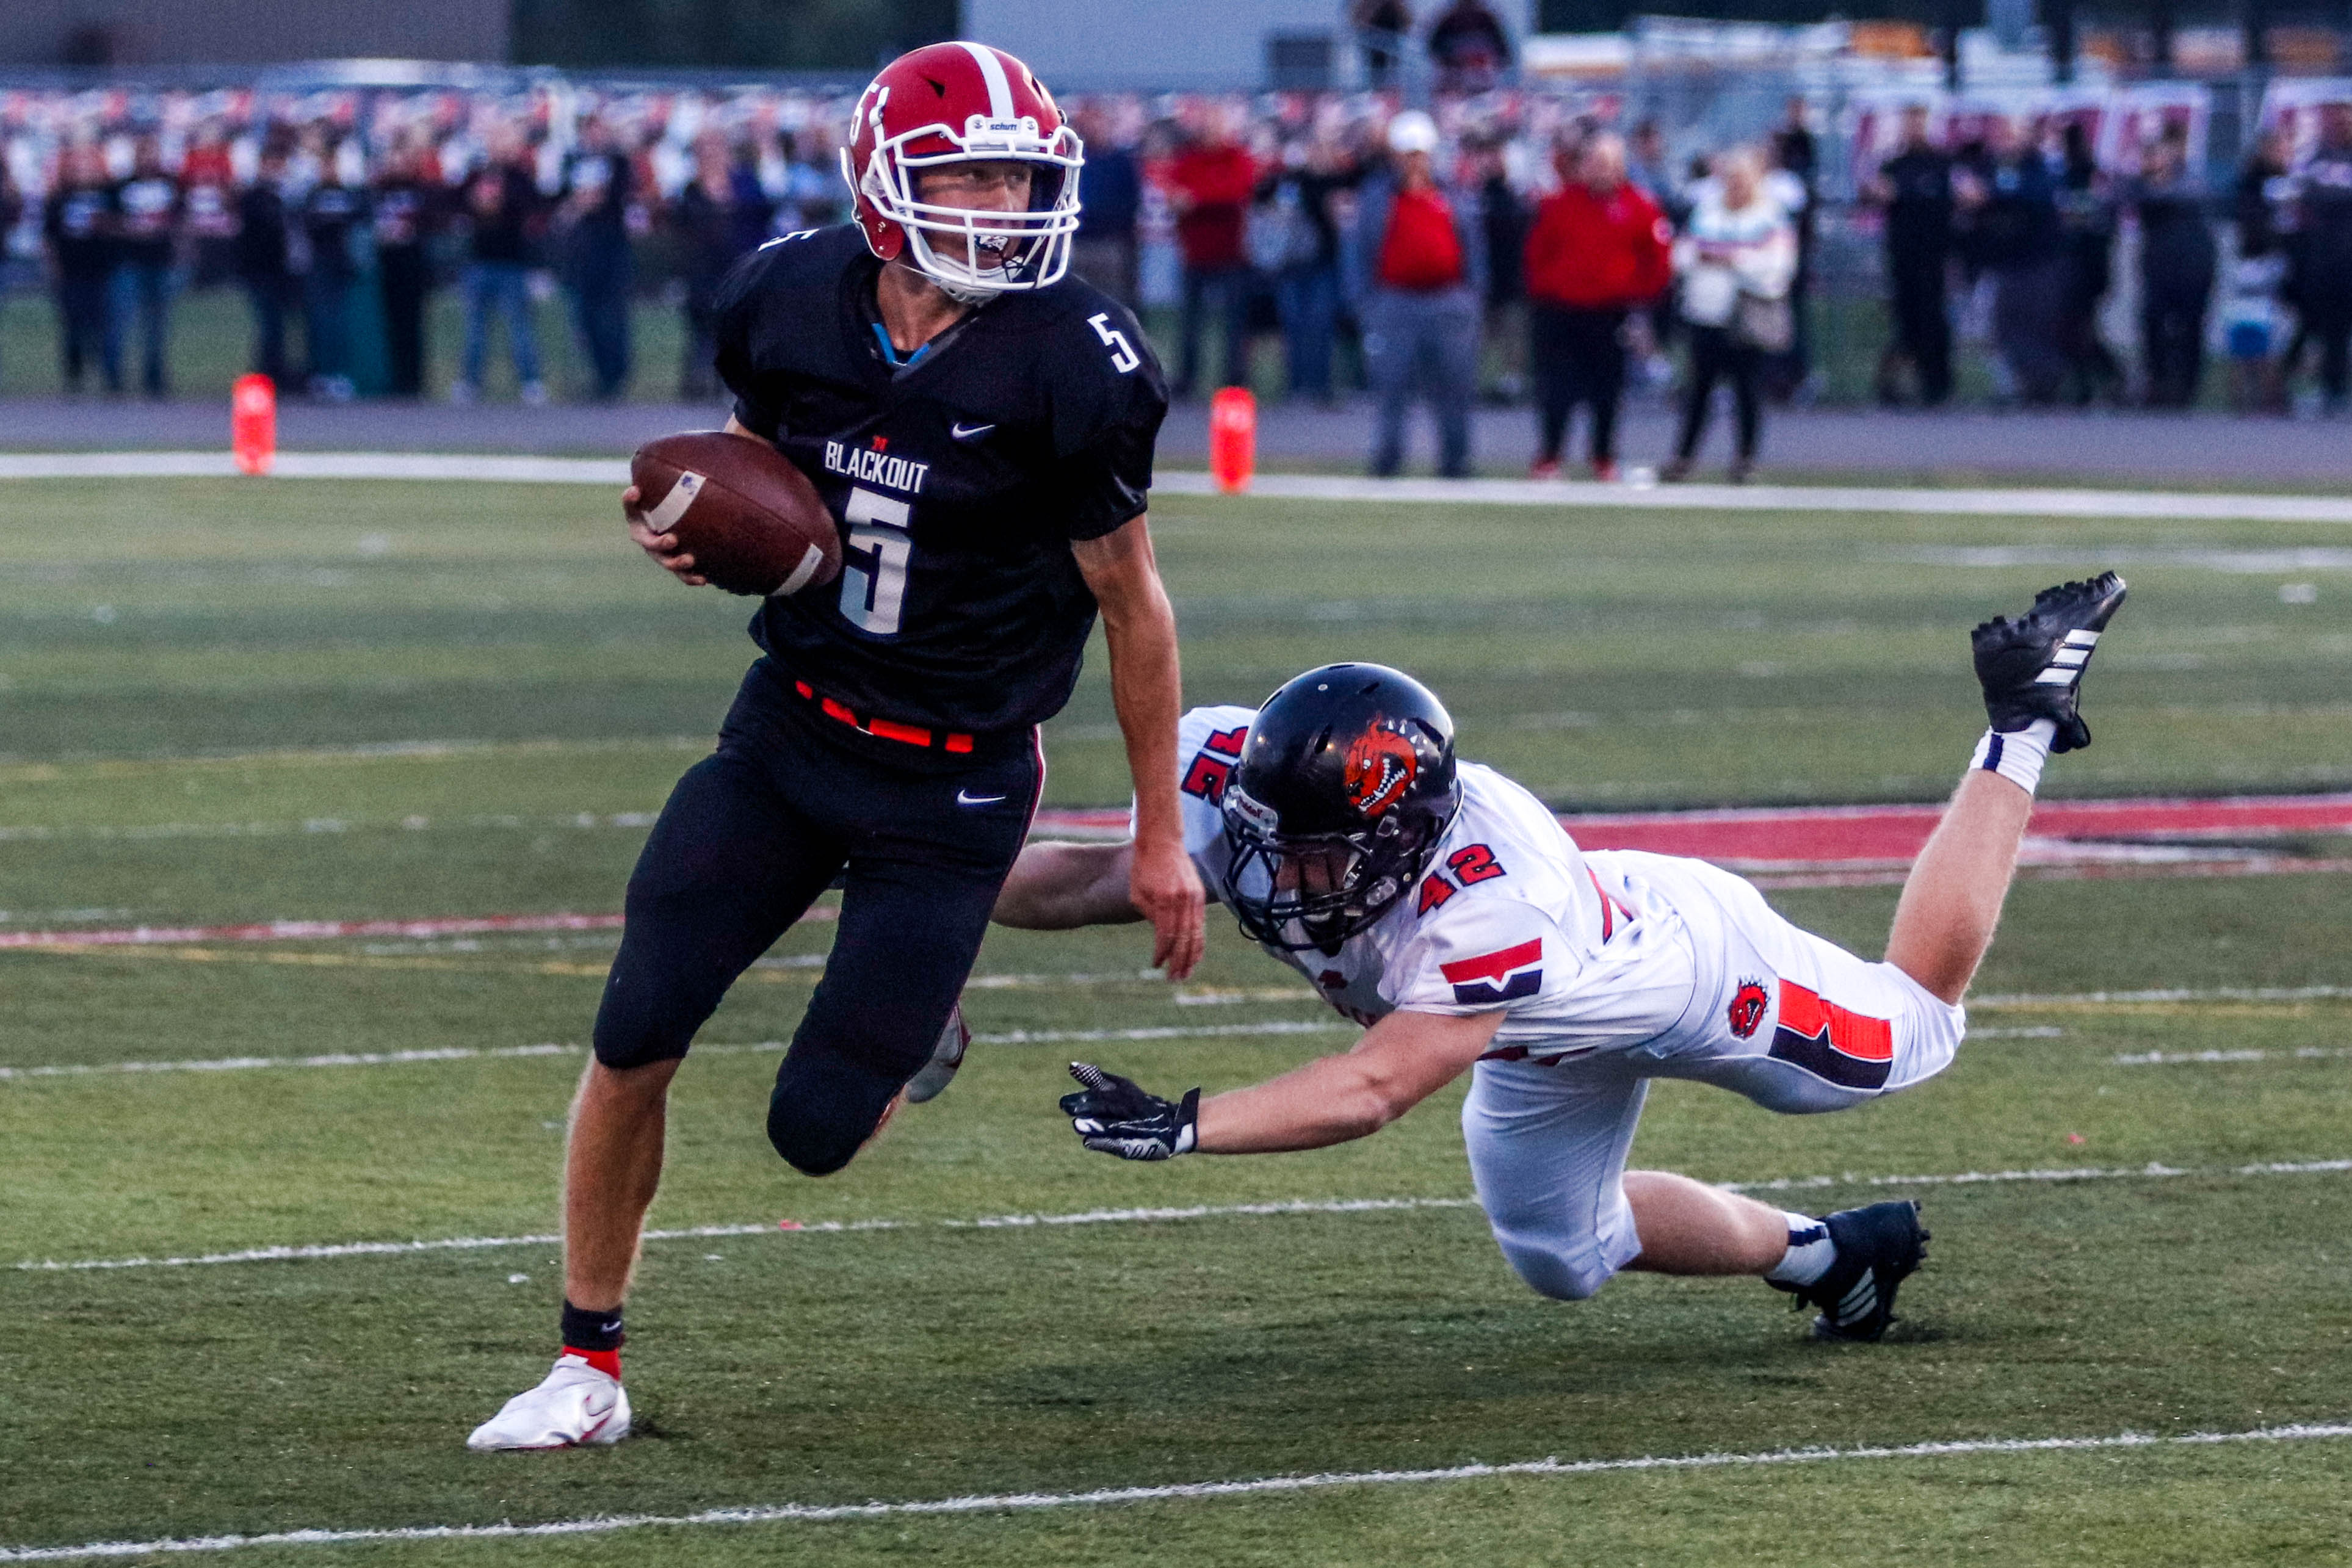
(2028, 215)
(1507, 244)
(330, 233)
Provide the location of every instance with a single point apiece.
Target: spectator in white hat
(1418, 273)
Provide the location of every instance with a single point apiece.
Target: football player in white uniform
(1443, 907)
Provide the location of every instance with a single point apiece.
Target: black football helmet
(1344, 788)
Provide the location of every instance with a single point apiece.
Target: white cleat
(954, 1041)
(575, 1407)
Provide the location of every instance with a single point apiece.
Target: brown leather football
(751, 521)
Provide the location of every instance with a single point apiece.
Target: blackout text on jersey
(873, 465)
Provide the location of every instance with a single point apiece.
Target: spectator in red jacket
(1209, 186)
(1417, 274)
(1600, 250)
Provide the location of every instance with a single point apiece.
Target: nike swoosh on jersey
(964, 797)
(968, 432)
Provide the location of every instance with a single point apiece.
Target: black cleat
(1877, 1249)
(2032, 667)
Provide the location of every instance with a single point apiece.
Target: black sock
(585, 1330)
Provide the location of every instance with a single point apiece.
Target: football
(751, 521)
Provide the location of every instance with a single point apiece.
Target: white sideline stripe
(1003, 1502)
(615, 472)
(1154, 1216)
(478, 1053)
(2052, 502)
(438, 466)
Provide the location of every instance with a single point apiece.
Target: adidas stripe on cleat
(1878, 1247)
(2032, 666)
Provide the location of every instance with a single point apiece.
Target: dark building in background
(218, 32)
(850, 35)
(778, 34)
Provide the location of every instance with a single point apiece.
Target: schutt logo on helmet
(1382, 765)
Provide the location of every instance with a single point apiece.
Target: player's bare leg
(1850, 1264)
(1690, 1227)
(2030, 668)
(611, 1166)
(1952, 899)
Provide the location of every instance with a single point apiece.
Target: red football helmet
(952, 104)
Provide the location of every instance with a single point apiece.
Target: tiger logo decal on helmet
(1380, 770)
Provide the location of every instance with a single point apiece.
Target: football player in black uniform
(983, 429)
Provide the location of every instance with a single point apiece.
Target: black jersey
(959, 480)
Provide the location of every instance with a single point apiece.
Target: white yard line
(248, 1063)
(2152, 1170)
(1032, 1501)
(2193, 1058)
(2028, 1000)
(1263, 1028)
(786, 1226)
(443, 467)
(311, 825)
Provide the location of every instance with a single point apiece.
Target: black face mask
(1315, 893)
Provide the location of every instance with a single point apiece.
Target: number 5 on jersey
(1123, 357)
(874, 575)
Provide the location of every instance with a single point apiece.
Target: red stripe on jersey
(1849, 1033)
(1495, 966)
(1608, 915)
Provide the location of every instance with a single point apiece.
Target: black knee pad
(824, 1106)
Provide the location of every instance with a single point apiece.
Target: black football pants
(750, 837)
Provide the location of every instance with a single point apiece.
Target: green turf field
(232, 702)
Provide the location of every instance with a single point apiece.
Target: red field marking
(1844, 844)
(1834, 835)
(1788, 838)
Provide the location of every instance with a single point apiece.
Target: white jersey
(1610, 969)
(1508, 915)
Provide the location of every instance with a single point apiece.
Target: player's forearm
(1147, 692)
(1060, 887)
(1331, 1101)
(1402, 1061)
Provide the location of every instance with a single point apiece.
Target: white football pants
(1787, 1018)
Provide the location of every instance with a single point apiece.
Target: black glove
(1115, 1116)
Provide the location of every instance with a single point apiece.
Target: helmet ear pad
(885, 239)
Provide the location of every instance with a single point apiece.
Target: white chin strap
(962, 292)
